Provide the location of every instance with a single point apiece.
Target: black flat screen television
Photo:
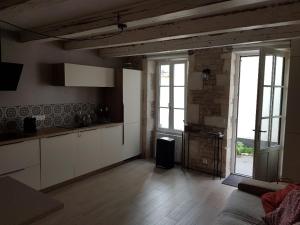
(9, 76)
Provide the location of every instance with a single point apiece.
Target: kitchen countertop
(22, 205)
(54, 131)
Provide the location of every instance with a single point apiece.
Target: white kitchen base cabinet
(21, 161)
(52, 160)
(132, 140)
(57, 159)
(19, 156)
(88, 152)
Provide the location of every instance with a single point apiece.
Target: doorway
(247, 96)
(260, 113)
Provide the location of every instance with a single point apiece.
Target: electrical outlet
(204, 161)
(40, 117)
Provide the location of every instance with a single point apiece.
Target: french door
(270, 113)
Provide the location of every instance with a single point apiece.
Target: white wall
(35, 82)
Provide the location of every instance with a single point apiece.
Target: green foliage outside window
(241, 148)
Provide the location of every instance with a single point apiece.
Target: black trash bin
(165, 152)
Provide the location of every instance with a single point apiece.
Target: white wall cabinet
(88, 152)
(132, 96)
(57, 159)
(73, 75)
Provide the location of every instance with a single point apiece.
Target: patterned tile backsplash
(56, 114)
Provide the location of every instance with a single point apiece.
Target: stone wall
(208, 105)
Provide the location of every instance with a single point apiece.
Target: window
(272, 101)
(171, 95)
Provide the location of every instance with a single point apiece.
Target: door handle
(261, 131)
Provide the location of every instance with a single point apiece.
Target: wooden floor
(137, 193)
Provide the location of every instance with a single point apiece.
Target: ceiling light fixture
(121, 26)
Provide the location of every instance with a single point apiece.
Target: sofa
(244, 205)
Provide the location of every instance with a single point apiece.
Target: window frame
(171, 86)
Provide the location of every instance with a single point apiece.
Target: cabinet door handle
(123, 134)
(11, 172)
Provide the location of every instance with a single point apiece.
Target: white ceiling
(42, 12)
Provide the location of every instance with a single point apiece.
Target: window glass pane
(178, 119)
(266, 102)
(165, 75)
(163, 118)
(179, 72)
(277, 102)
(268, 70)
(275, 131)
(264, 134)
(178, 97)
(164, 97)
(279, 71)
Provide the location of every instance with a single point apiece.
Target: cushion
(272, 200)
(288, 213)
(246, 207)
(258, 188)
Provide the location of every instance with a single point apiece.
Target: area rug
(234, 179)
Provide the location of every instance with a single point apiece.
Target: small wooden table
(21, 205)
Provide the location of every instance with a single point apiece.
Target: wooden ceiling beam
(253, 19)
(5, 4)
(206, 41)
(141, 14)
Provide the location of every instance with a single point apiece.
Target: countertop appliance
(29, 125)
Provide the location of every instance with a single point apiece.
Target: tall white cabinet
(132, 96)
